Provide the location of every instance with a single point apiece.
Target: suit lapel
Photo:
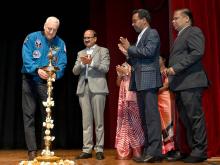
(175, 41)
(179, 37)
(144, 36)
(95, 51)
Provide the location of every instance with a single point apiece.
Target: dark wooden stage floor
(13, 157)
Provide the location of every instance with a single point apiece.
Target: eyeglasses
(87, 38)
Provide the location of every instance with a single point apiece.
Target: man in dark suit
(188, 79)
(145, 80)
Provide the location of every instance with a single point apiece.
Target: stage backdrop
(111, 19)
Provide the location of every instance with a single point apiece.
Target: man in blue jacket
(34, 88)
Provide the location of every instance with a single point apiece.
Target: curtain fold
(112, 20)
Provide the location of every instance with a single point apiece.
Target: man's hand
(86, 59)
(122, 49)
(43, 74)
(124, 43)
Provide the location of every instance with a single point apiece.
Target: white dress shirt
(140, 35)
(89, 52)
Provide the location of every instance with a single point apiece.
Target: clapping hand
(124, 45)
(122, 70)
(170, 71)
(124, 42)
(86, 59)
(119, 70)
(122, 49)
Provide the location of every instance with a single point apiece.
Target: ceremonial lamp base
(48, 160)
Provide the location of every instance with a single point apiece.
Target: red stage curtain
(112, 19)
(206, 15)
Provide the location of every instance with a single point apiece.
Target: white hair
(53, 19)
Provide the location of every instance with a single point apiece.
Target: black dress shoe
(175, 156)
(151, 159)
(137, 159)
(193, 159)
(84, 155)
(100, 156)
(32, 155)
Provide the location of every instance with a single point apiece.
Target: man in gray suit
(188, 79)
(91, 65)
(145, 79)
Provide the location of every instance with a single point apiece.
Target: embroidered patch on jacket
(38, 43)
(36, 54)
(55, 60)
(55, 49)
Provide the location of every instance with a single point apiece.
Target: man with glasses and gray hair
(92, 65)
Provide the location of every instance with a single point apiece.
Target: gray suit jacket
(144, 59)
(96, 72)
(185, 58)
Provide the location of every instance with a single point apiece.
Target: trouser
(92, 106)
(189, 105)
(148, 105)
(32, 96)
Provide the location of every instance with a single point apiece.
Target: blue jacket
(35, 54)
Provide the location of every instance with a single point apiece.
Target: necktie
(87, 68)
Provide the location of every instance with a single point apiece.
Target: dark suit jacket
(185, 58)
(144, 59)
